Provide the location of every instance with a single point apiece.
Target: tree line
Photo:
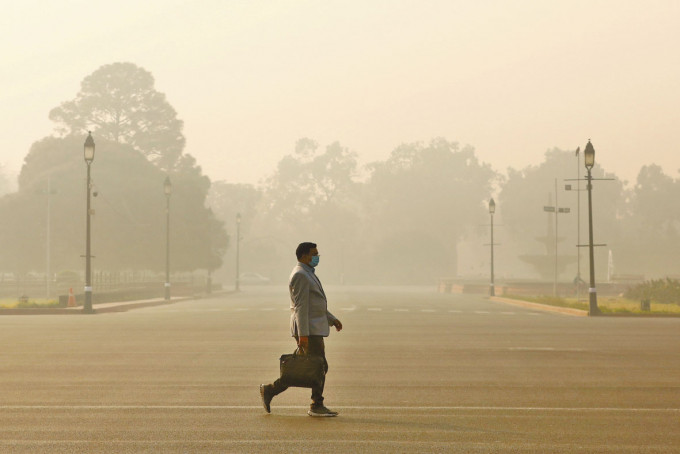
(422, 214)
(139, 142)
(419, 215)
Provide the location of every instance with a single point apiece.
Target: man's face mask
(315, 261)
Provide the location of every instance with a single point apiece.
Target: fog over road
(412, 371)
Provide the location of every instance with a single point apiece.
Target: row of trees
(419, 215)
(422, 214)
(401, 224)
(139, 142)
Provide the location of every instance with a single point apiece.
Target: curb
(102, 308)
(541, 307)
(123, 307)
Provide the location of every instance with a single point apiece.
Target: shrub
(27, 304)
(665, 291)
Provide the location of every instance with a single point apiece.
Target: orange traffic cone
(71, 298)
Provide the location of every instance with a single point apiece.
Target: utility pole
(557, 210)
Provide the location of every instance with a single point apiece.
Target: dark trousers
(316, 347)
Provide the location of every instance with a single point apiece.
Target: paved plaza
(412, 371)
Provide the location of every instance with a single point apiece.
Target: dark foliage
(666, 291)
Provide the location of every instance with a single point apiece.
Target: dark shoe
(321, 411)
(267, 397)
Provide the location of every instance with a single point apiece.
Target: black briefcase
(302, 370)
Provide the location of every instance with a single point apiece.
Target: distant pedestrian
(310, 322)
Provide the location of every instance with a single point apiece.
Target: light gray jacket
(308, 306)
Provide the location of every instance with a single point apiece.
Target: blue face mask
(315, 261)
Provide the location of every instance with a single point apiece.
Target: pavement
(412, 371)
(101, 308)
(540, 307)
(123, 306)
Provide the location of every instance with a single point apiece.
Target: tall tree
(118, 102)
(5, 183)
(651, 244)
(654, 201)
(421, 203)
(129, 211)
(310, 179)
(200, 239)
(312, 196)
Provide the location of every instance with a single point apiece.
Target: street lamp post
(89, 157)
(589, 158)
(167, 188)
(238, 245)
(492, 210)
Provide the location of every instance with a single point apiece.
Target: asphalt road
(413, 371)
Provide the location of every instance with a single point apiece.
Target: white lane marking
(375, 309)
(348, 308)
(346, 407)
(401, 310)
(545, 349)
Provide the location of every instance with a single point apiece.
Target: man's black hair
(303, 249)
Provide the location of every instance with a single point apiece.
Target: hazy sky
(511, 78)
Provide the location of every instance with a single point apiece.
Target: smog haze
(249, 79)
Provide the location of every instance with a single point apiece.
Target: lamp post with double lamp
(589, 158)
(89, 157)
(167, 189)
(238, 245)
(492, 210)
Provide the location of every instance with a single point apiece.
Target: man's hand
(303, 343)
(337, 324)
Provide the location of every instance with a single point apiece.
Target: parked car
(253, 279)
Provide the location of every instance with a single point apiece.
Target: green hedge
(665, 291)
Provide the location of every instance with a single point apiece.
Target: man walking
(310, 322)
